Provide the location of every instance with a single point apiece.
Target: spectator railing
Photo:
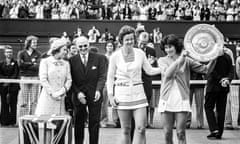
(154, 82)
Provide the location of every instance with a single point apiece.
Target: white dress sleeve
(147, 66)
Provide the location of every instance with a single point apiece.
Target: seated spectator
(22, 10)
(31, 10)
(14, 11)
(39, 10)
(47, 9)
(6, 10)
(106, 12)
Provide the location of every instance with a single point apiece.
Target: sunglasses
(81, 46)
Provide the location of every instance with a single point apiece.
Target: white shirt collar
(81, 56)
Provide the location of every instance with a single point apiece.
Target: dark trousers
(8, 107)
(216, 119)
(80, 114)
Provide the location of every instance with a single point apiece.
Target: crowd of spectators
(221, 10)
(96, 35)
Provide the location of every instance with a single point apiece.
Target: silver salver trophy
(203, 42)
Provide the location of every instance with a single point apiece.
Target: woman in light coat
(55, 78)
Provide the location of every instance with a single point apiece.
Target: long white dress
(55, 77)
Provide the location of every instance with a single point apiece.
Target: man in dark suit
(9, 91)
(89, 76)
(218, 82)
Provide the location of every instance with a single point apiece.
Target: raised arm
(147, 67)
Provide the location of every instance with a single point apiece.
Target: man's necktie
(84, 60)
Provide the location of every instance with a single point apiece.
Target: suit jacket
(223, 69)
(87, 79)
(9, 72)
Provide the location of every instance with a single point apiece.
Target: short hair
(29, 40)
(125, 30)
(112, 42)
(82, 38)
(174, 40)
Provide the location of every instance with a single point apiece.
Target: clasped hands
(58, 95)
(82, 97)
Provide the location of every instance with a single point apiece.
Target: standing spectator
(28, 60)
(109, 49)
(9, 91)
(93, 34)
(55, 78)
(125, 86)
(217, 89)
(88, 72)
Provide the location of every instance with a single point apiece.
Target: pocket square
(94, 67)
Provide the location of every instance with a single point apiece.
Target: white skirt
(130, 97)
(175, 103)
